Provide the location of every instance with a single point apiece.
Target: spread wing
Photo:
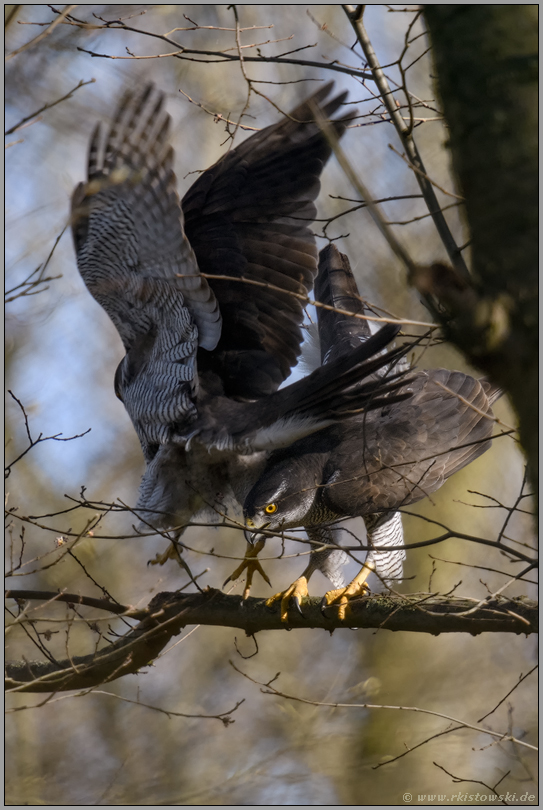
(404, 452)
(335, 286)
(248, 216)
(137, 263)
(407, 450)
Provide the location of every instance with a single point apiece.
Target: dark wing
(333, 392)
(400, 454)
(249, 216)
(335, 286)
(137, 263)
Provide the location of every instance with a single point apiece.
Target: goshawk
(205, 358)
(375, 462)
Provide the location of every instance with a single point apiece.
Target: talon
(252, 566)
(292, 596)
(324, 604)
(272, 599)
(342, 596)
(171, 553)
(298, 605)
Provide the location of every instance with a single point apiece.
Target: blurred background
(117, 744)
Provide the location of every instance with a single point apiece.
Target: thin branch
(224, 717)
(187, 53)
(76, 599)
(423, 174)
(354, 14)
(488, 416)
(218, 116)
(522, 678)
(271, 690)
(459, 780)
(41, 438)
(29, 285)
(49, 30)
(198, 27)
(363, 192)
(307, 300)
(47, 107)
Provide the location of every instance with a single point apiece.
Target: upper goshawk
(204, 359)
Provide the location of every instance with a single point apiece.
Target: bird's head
(280, 499)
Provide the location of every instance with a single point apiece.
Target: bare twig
(421, 173)
(218, 116)
(354, 14)
(49, 30)
(75, 599)
(271, 690)
(458, 780)
(41, 438)
(47, 107)
(30, 284)
(307, 300)
(520, 680)
(363, 192)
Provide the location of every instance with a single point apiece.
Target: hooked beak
(253, 535)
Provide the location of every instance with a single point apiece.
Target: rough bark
(486, 65)
(168, 613)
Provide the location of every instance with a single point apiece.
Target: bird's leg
(251, 565)
(357, 587)
(173, 552)
(381, 530)
(321, 558)
(386, 531)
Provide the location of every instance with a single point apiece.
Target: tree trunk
(486, 64)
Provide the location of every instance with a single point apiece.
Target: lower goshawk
(375, 462)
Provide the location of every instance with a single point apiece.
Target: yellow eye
(271, 508)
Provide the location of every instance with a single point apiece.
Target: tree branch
(169, 613)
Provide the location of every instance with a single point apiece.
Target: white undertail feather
(310, 358)
(285, 432)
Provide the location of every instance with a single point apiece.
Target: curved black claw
(298, 605)
(323, 605)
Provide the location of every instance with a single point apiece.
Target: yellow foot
(252, 566)
(342, 596)
(292, 596)
(171, 553)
